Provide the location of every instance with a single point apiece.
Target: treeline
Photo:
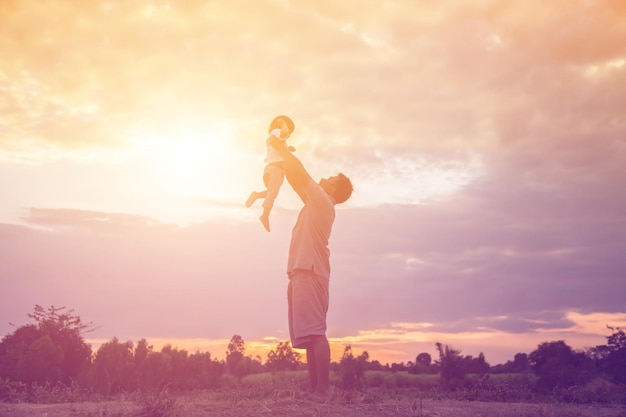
(553, 365)
(51, 351)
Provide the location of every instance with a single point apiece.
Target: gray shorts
(307, 296)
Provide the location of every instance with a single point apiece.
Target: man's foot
(252, 198)
(266, 222)
(324, 395)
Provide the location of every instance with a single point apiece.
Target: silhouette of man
(308, 266)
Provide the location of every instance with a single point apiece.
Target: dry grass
(245, 402)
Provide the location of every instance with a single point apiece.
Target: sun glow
(187, 163)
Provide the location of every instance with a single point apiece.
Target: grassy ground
(397, 395)
(296, 403)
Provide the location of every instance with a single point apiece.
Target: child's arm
(296, 174)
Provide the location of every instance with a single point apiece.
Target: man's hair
(343, 189)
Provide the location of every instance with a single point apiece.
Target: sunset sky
(486, 141)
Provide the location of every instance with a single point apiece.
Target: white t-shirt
(272, 153)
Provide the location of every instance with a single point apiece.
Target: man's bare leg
(318, 364)
(311, 368)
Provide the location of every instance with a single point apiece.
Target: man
(308, 267)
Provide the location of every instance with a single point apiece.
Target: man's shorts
(307, 296)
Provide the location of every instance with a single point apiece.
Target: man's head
(338, 187)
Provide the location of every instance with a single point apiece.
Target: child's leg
(273, 178)
(254, 195)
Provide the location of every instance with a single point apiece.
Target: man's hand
(296, 174)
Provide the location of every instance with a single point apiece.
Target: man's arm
(296, 174)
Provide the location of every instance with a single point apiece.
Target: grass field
(294, 404)
(286, 395)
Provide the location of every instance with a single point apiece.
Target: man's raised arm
(296, 174)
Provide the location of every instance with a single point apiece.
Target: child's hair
(343, 189)
(274, 124)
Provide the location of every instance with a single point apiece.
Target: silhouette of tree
(50, 350)
(352, 370)
(558, 366)
(450, 365)
(422, 365)
(518, 365)
(235, 356)
(178, 367)
(520, 362)
(473, 365)
(611, 358)
(204, 372)
(616, 341)
(114, 367)
(43, 361)
(283, 358)
(140, 357)
(423, 359)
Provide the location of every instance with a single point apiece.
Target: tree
(66, 329)
(352, 369)
(178, 365)
(478, 366)
(520, 362)
(114, 367)
(283, 358)
(235, 354)
(611, 359)
(558, 366)
(13, 352)
(54, 342)
(43, 361)
(140, 357)
(422, 365)
(203, 371)
(616, 341)
(423, 359)
(450, 364)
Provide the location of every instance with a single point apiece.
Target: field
(280, 395)
(299, 405)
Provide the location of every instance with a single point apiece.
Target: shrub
(156, 404)
(12, 391)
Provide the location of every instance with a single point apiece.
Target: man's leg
(307, 297)
(318, 363)
(311, 368)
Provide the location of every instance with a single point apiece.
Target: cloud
(129, 274)
(486, 142)
(444, 262)
(453, 271)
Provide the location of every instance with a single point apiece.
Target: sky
(486, 142)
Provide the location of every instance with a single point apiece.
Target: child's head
(279, 122)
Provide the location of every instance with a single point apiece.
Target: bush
(12, 391)
(156, 404)
(396, 380)
(597, 391)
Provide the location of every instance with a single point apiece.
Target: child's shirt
(272, 154)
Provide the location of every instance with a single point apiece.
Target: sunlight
(186, 162)
(604, 69)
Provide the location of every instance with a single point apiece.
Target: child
(273, 174)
